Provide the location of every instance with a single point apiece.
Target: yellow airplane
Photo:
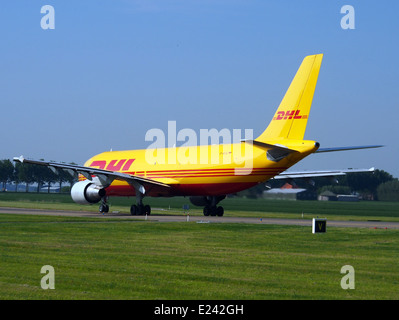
(208, 173)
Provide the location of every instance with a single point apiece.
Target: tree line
(29, 174)
(377, 185)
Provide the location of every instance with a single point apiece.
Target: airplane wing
(105, 177)
(321, 173)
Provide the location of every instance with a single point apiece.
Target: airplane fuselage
(203, 170)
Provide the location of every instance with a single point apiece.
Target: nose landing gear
(104, 207)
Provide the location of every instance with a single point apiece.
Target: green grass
(363, 210)
(124, 259)
(104, 259)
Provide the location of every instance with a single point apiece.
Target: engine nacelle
(86, 192)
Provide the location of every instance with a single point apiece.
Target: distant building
(327, 196)
(331, 196)
(50, 189)
(349, 198)
(288, 192)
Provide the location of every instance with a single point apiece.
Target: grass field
(364, 210)
(125, 259)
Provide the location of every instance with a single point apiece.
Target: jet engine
(86, 192)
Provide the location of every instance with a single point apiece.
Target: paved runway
(203, 219)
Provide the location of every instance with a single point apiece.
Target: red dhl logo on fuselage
(113, 165)
(288, 115)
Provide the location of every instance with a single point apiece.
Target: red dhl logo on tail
(113, 165)
(288, 115)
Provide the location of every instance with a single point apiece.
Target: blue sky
(112, 70)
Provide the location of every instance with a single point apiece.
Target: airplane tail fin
(292, 115)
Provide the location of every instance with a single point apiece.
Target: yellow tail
(291, 117)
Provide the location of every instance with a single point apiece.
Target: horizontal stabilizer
(275, 152)
(321, 150)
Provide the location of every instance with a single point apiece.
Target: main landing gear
(213, 211)
(140, 209)
(210, 204)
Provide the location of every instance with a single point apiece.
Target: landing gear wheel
(104, 208)
(147, 209)
(134, 210)
(213, 211)
(140, 210)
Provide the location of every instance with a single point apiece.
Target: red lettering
(98, 163)
(280, 115)
(112, 167)
(128, 164)
(289, 114)
(297, 115)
